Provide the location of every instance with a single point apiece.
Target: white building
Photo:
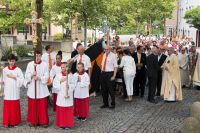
(183, 27)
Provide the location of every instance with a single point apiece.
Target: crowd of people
(163, 67)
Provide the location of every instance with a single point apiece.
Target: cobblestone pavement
(139, 116)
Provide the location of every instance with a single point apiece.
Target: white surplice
(82, 87)
(61, 89)
(42, 70)
(55, 70)
(12, 86)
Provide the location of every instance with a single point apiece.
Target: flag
(95, 52)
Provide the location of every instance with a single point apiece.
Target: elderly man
(194, 67)
(171, 82)
(152, 73)
(83, 58)
(109, 70)
(161, 59)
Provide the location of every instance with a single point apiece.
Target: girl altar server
(64, 105)
(55, 70)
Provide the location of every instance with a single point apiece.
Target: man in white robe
(183, 66)
(196, 75)
(37, 102)
(171, 81)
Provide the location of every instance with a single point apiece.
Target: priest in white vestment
(171, 81)
(183, 66)
(196, 75)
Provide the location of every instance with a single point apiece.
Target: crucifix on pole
(33, 22)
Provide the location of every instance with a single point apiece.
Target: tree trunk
(85, 32)
(164, 25)
(39, 10)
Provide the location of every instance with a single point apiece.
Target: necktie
(80, 59)
(139, 58)
(50, 61)
(105, 62)
(50, 66)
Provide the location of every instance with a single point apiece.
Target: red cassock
(81, 107)
(11, 113)
(54, 101)
(64, 116)
(39, 114)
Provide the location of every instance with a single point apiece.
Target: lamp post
(33, 22)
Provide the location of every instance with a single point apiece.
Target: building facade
(171, 23)
(185, 29)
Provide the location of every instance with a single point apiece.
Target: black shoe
(104, 106)
(153, 101)
(44, 126)
(183, 86)
(112, 107)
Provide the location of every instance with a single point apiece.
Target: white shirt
(85, 60)
(128, 64)
(111, 63)
(43, 72)
(55, 70)
(75, 44)
(45, 58)
(82, 87)
(61, 89)
(11, 86)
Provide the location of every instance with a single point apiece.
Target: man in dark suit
(73, 54)
(161, 59)
(140, 78)
(152, 74)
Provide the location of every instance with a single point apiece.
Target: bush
(22, 51)
(5, 53)
(58, 36)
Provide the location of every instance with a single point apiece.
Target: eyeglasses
(106, 49)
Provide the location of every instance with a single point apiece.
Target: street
(139, 116)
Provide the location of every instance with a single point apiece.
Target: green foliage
(193, 17)
(22, 51)
(58, 36)
(6, 51)
(125, 16)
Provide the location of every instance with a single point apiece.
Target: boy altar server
(37, 109)
(81, 93)
(13, 80)
(64, 106)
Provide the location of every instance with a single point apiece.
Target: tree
(14, 14)
(193, 17)
(89, 12)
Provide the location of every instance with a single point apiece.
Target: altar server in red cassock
(13, 80)
(55, 70)
(37, 108)
(81, 93)
(64, 106)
